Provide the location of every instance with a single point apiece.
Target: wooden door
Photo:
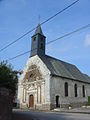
(31, 100)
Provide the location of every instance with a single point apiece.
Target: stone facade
(57, 89)
(36, 79)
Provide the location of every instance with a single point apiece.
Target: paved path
(75, 110)
(32, 115)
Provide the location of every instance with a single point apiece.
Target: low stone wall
(37, 107)
(6, 101)
(73, 105)
(43, 107)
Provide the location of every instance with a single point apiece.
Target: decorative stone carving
(33, 74)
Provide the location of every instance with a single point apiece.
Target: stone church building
(47, 83)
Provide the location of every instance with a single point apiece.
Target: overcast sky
(19, 16)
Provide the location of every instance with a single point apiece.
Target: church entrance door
(31, 101)
(57, 101)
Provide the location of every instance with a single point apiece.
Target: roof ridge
(59, 60)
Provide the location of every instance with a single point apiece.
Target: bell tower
(38, 42)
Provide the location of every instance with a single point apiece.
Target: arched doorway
(57, 101)
(31, 101)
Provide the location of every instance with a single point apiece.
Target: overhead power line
(70, 33)
(61, 37)
(8, 45)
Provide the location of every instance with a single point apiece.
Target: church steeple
(38, 42)
(38, 29)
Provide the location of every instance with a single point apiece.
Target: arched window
(31, 77)
(66, 89)
(83, 90)
(42, 39)
(41, 46)
(75, 90)
(57, 101)
(34, 39)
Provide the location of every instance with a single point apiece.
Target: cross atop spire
(38, 29)
(39, 19)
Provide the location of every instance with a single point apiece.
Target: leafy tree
(8, 77)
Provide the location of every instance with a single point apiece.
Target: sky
(19, 16)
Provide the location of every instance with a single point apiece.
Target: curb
(75, 112)
(62, 111)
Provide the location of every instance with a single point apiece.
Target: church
(47, 83)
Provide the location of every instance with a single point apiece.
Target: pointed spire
(38, 29)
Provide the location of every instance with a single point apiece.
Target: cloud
(87, 40)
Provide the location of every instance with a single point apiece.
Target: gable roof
(64, 69)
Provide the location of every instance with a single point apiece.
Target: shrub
(89, 100)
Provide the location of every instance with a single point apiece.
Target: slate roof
(64, 69)
(38, 29)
